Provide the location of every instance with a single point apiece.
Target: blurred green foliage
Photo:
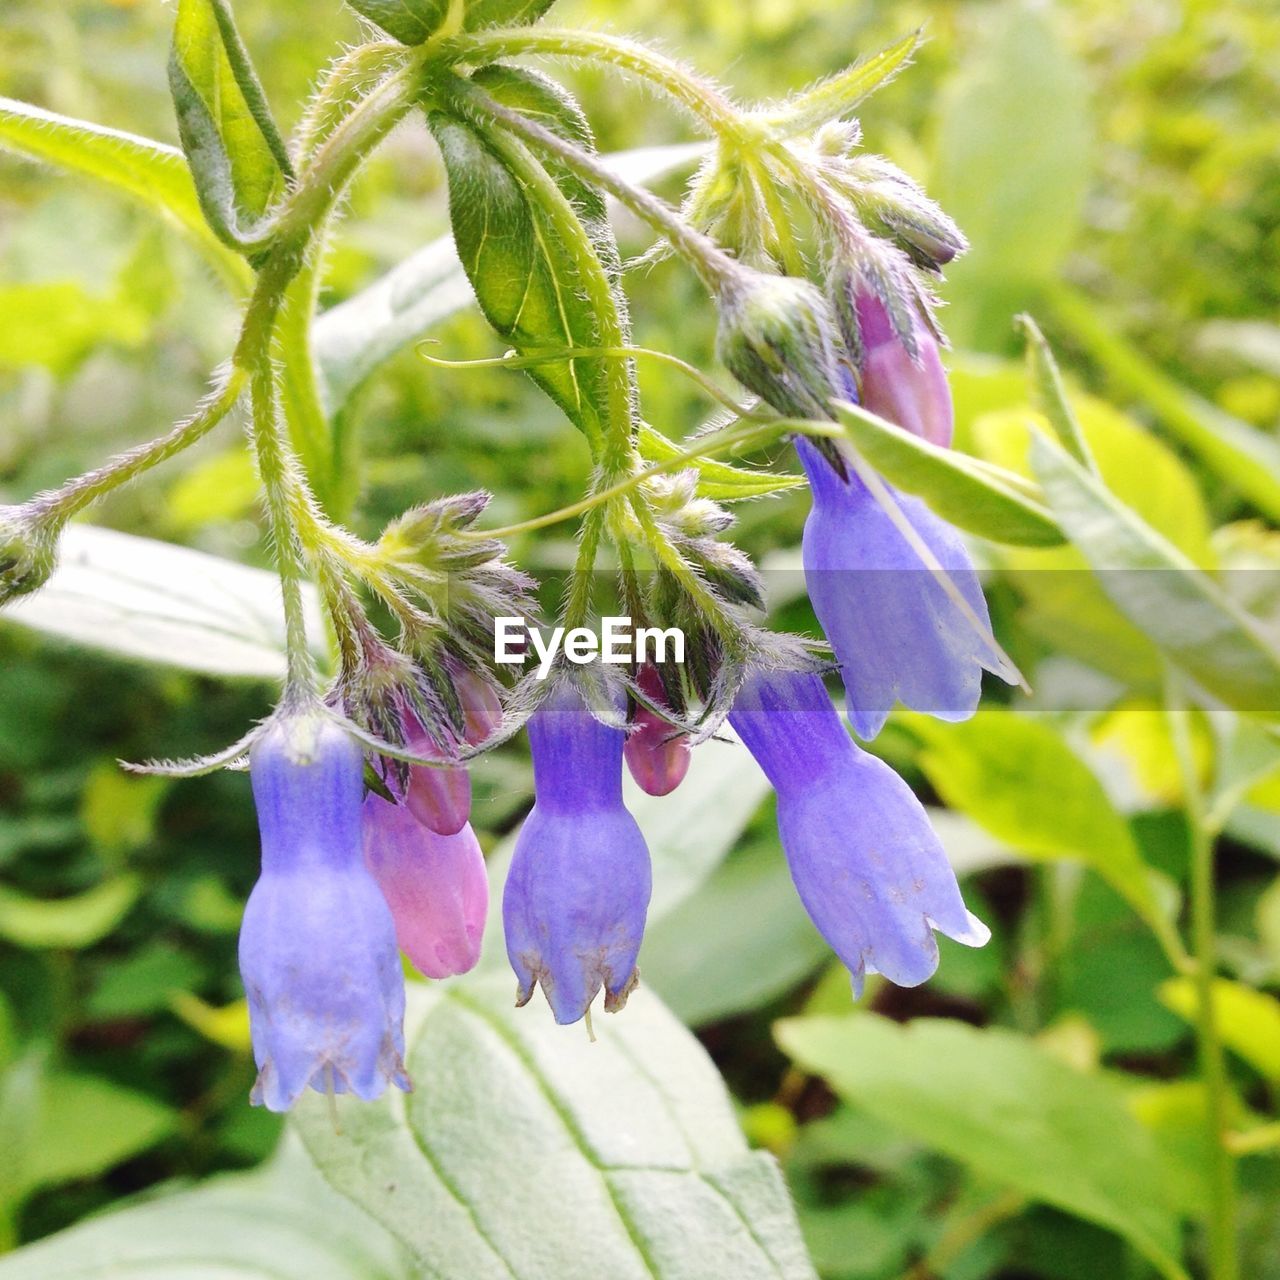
(1117, 166)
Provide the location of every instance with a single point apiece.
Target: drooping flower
(435, 886)
(578, 888)
(866, 863)
(317, 946)
(906, 389)
(897, 632)
(657, 755)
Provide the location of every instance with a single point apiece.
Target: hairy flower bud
(913, 393)
(439, 796)
(435, 886)
(866, 863)
(656, 753)
(317, 946)
(578, 889)
(27, 555)
(896, 631)
(776, 338)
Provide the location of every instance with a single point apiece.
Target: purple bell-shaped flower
(578, 888)
(866, 863)
(898, 634)
(317, 947)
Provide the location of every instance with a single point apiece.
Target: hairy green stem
(1223, 1260)
(55, 507)
(706, 103)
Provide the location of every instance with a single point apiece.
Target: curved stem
(55, 507)
(709, 446)
(704, 101)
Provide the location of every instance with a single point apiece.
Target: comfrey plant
(361, 779)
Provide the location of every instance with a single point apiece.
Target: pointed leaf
(1183, 610)
(1007, 1109)
(972, 494)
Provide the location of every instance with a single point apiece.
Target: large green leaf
(525, 1151)
(535, 241)
(277, 1223)
(1159, 590)
(355, 337)
(1016, 198)
(976, 495)
(1016, 776)
(148, 600)
(153, 174)
(1010, 1111)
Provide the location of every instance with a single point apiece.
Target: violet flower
(317, 946)
(578, 888)
(435, 886)
(897, 633)
(866, 863)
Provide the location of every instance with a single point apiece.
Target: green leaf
(1016, 776)
(154, 602)
(1248, 1020)
(281, 1222)
(151, 173)
(416, 21)
(56, 324)
(534, 241)
(74, 922)
(234, 150)
(1159, 590)
(838, 96)
(975, 495)
(355, 337)
(719, 481)
(1008, 1110)
(1247, 458)
(1050, 394)
(63, 1147)
(526, 1152)
(1018, 200)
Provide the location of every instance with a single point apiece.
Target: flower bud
(578, 888)
(439, 796)
(775, 337)
(913, 393)
(317, 946)
(481, 706)
(27, 555)
(435, 886)
(896, 631)
(866, 863)
(656, 753)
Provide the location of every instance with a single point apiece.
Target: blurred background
(1116, 165)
